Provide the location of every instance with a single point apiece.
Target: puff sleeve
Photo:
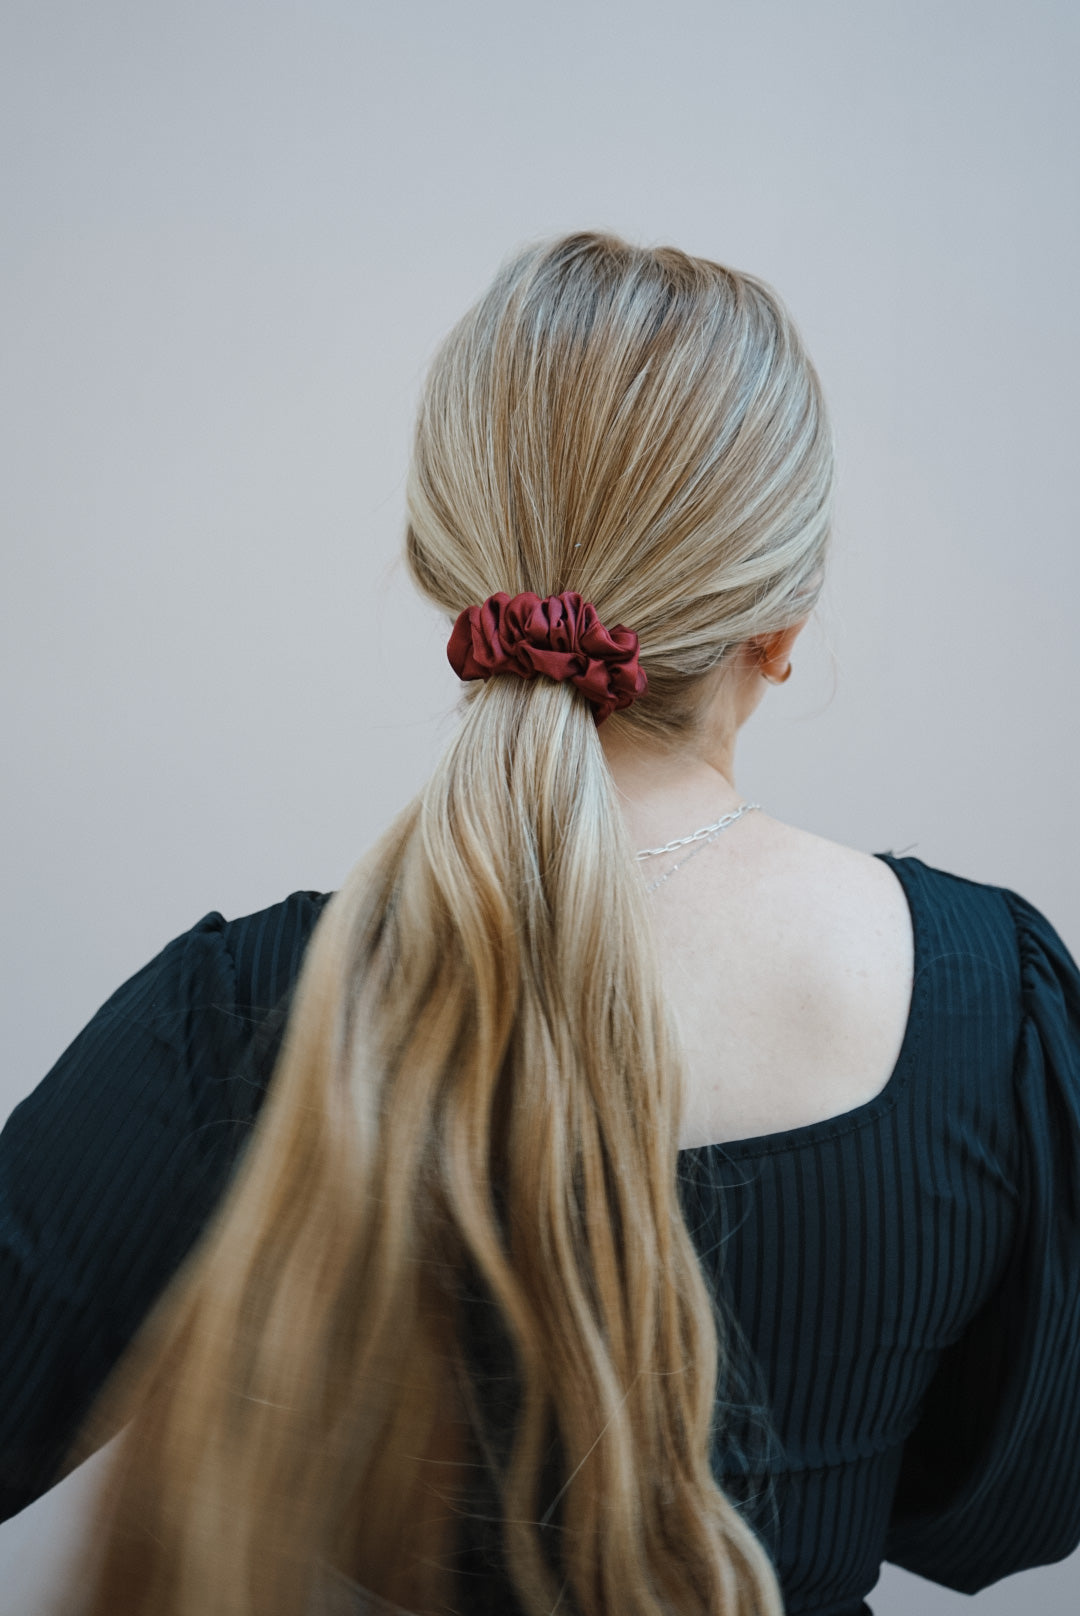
(108, 1171)
(989, 1483)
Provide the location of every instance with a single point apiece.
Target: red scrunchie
(560, 636)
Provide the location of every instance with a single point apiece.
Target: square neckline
(859, 1116)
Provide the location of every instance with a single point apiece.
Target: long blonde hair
(451, 1283)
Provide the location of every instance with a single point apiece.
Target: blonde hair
(451, 1277)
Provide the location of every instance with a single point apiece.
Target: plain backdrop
(232, 235)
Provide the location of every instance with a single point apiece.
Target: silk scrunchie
(560, 636)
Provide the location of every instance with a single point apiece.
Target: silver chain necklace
(707, 834)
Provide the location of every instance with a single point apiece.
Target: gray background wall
(232, 235)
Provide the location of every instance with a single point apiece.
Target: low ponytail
(560, 1152)
(448, 1322)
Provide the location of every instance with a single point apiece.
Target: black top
(906, 1276)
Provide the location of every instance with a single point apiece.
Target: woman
(654, 1208)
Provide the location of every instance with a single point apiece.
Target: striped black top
(904, 1278)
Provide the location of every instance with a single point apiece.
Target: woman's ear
(772, 652)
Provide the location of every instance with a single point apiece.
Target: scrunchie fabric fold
(560, 636)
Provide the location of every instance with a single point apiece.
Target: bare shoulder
(788, 859)
(812, 942)
(843, 906)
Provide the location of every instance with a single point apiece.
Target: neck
(666, 792)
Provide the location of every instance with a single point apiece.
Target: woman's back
(896, 1257)
(902, 1268)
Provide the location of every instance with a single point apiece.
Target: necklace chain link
(707, 834)
(695, 836)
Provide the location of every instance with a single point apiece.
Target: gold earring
(778, 679)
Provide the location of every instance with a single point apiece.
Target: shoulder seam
(950, 875)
